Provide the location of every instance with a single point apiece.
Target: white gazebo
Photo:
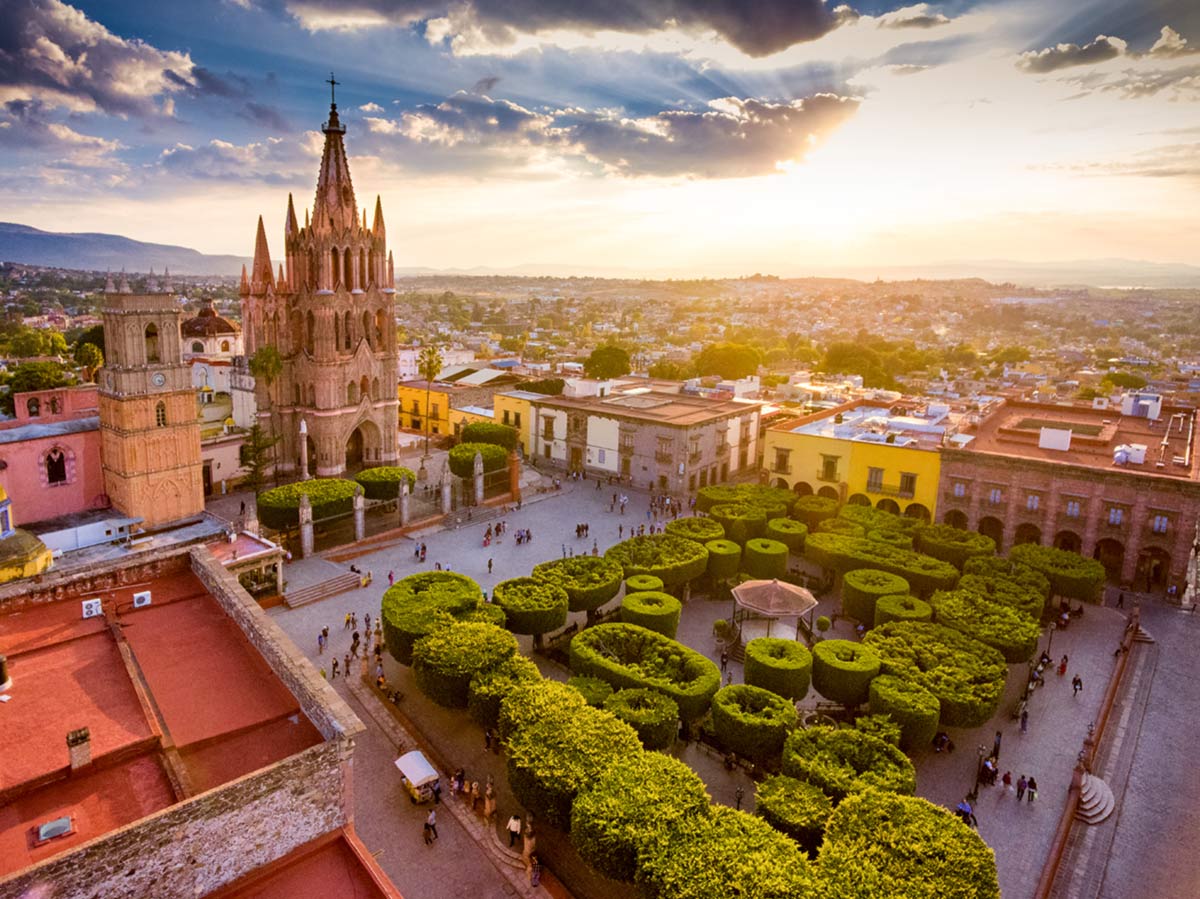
(771, 600)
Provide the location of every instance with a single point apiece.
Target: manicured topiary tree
(965, 675)
(551, 760)
(490, 432)
(420, 603)
(884, 844)
(901, 608)
(740, 521)
(462, 458)
(724, 559)
(279, 507)
(626, 655)
(488, 688)
(384, 481)
(839, 526)
(1025, 598)
(765, 559)
(528, 703)
(531, 606)
(863, 587)
(954, 545)
(1003, 627)
(594, 690)
(1009, 570)
(789, 532)
(751, 721)
(910, 705)
(881, 726)
(609, 830)
(794, 807)
(843, 670)
(840, 554)
(643, 583)
(654, 610)
(655, 717)
(672, 559)
(812, 510)
(898, 539)
(844, 761)
(781, 666)
(773, 498)
(695, 528)
(590, 581)
(871, 519)
(1070, 574)
(445, 661)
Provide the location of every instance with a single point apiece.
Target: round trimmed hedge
(781, 666)
(840, 526)
(643, 583)
(462, 458)
(724, 559)
(528, 703)
(862, 588)
(751, 721)
(841, 554)
(1070, 574)
(740, 521)
(872, 519)
(488, 688)
(812, 510)
(843, 670)
(1003, 627)
(752, 494)
(901, 608)
(953, 545)
(654, 610)
(608, 829)
(531, 605)
(1026, 598)
(910, 705)
(420, 603)
(965, 675)
(695, 528)
(882, 844)
(590, 581)
(794, 807)
(789, 532)
(446, 660)
(279, 507)
(843, 761)
(1004, 568)
(881, 726)
(898, 539)
(383, 481)
(655, 717)
(765, 559)
(674, 560)
(592, 689)
(626, 655)
(490, 432)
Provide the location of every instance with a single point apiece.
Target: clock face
(159, 379)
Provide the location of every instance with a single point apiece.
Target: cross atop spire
(332, 84)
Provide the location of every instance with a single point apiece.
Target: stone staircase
(315, 592)
(1096, 800)
(1142, 636)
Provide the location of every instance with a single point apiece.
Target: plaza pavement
(1020, 834)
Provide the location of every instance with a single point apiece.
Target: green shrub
(781, 666)
(965, 675)
(843, 670)
(531, 605)
(643, 583)
(462, 458)
(484, 613)
(445, 661)
(383, 481)
(1070, 574)
(1003, 627)
(882, 844)
(795, 808)
(724, 559)
(879, 726)
(898, 539)
(420, 603)
(953, 545)
(812, 510)
(672, 559)
(841, 554)
(862, 588)
(590, 581)
(760, 495)
(626, 655)
(740, 521)
(655, 717)
(654, 610)
(765, 559)
(701, 530)
(724, 854)
(1018, 574)
(910, 705)
(528, 703)
(751, 721)
(551, 760)
(279, 507)
(1022, 597)
(488, 688)
(609, 826)
(594, 690)
(840, 526)
(871, 519)
(490, 432)
(844, 761)
(789, 532)
(901, 608)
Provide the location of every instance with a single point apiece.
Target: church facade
(329, 311)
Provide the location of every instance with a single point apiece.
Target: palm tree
(429, 364)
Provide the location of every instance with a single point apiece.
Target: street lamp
(304, 476)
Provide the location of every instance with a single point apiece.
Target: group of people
(581, 530)
(524, 535)
(358, 640)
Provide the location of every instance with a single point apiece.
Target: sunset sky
(659, 136)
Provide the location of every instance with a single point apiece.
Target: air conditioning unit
(141, 600)
(92, 608)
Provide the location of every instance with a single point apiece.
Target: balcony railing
(950, 496)
(694, 457)
(829, 477)
(781, 469)
(665, 458)
(890, 490)
(722, 450)
(625, 449)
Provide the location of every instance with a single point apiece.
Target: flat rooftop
(913, 427)
(1015, 430)
(664, 408)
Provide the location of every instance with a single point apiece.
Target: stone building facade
(329, 310)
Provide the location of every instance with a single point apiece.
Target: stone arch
(57, 466)
(918, 511)
(888, 505)
(992, 527)
(363, 444)
(337, 331)
(364, 387)
(351, 393)
(197, 346)
(828, 491)
(780, 482)
(224, 346)
(363, 277)
(33, 407)
(1027, 533)
(859, 499)
(1154, 566)
(380, 330)
(371, 279)
(1068, 541)
(310, 332)
(366, 329)
(312, 396)
(375, 395)
(151, 337)
(802, 488)
(347, 269)
(346, 330)
(956, 518)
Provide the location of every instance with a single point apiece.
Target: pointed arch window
(348, 270)
(364, 387)
(366, 327)
(197, 346)
(160, 414)
(380, 321)
(152, 342)
(310, 332)
(346, 329)
(56, 467)
(333, 268)
(337, 331)
(351, 394)
(375, 390)
(371, 278)
(33, 407)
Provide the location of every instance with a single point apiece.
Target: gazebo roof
(774, 598)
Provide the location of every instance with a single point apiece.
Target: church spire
(335, 192)
(244, 290)
(290, 227)
(377, 227)
(261, 275)
(109, 287)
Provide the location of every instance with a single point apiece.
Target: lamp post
(980, 753)
(304, 475)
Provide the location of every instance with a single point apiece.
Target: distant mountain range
(100, 252)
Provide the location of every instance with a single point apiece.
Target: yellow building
(864, 454)
(21, 553)
(513, 408)
(469, 415)
(421, 408)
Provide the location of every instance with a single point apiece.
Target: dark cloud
(273, 161)
(27, 129)
(485, 85)
(1063, 56)
(266, 116)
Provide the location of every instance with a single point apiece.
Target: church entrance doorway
(354, 450)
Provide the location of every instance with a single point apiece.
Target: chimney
(5, 679)
(79, 746)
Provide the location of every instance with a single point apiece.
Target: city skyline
(685, 137)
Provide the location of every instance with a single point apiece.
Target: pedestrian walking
(346, 666)
(346, 626)
(1031, 789)
(1062, 665)
(535, 867)
(514, 829)
(724, 661)
(1121, 600)
(1006, 780)
(391, 578)
(335, 668)
(737, 796)
(366, 626)
(1022, 784)
(1076, 685)
(1024, 721)
(437, 793)
(996, 745)
(320, 644)
(489, 566)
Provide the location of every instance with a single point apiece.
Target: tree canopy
(607, 361)
(729, 360)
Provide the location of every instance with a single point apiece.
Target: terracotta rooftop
(680, 410)
(337, 865)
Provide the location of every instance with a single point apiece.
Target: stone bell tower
(149, 426)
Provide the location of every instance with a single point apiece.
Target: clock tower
(149, 426)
